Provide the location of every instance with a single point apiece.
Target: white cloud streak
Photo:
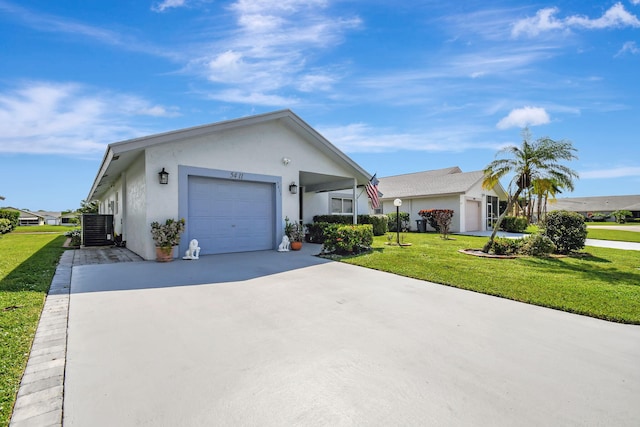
(629, 47)
(56, 24)
(271, 48)
(545, 20)
(522, 117)
(67, 118)
(361, 137)
(167, 4)
(619, 172)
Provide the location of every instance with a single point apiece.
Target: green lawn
(27, 265)
(605, 284)
(619, 235)
(42, 229)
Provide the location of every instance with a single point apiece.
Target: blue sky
(399, 87)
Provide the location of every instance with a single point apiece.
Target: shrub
(443, 219)
(514, 224)
(317, 231)
(379, 222)
(621, 216)
(427, 216)
(348, 239)
(392, 221)
(75, 235)
(505, 246)
(597, 217)
(12, 216)
(5, 226)
(566, 230)
(537, 245)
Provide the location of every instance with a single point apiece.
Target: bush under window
(348, 239)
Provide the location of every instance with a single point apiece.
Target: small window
(341, 205)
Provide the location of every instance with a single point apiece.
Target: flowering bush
(440, 219)
(167, 235)
(75, 235)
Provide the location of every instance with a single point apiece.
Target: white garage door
(231, 216)
(472, 216)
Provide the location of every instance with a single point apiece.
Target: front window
(341, 205)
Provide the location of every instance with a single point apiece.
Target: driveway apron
(272, 339)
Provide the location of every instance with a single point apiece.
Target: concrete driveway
(273, 339)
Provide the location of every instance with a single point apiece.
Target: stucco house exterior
(234, 182)
(474, 207)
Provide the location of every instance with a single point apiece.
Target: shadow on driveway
(208, 269)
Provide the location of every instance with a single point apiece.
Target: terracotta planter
(296, 246)
(164, 254)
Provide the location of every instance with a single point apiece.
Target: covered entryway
(472, 215)
(231, 216)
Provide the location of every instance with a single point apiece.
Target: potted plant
(166, 236)
(295, 233)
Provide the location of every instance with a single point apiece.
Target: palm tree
(529, 162)
(543, 189)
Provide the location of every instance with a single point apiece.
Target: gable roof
(26, 214)
(431, 183)
(120, 155)
(596, 204)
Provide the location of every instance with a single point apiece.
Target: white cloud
(629, 47)
(56, 24)
(361, 137)
(545, 20)
(270, 49)
(167, 4)
(522, 117)
(67, 118)
(635, 1)
(619, 172)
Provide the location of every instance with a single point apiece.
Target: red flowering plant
(440, 219)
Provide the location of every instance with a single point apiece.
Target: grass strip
(604, 284)
(27, 265)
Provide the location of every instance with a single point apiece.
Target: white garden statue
(194, 250)
(284, 246)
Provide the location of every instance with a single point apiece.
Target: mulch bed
(479, 253)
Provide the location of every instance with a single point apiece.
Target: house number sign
(237, 175)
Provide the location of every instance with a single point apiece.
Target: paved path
(275, 339)
(40, 397)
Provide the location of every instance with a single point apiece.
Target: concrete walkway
(290, 339)
(40, 397)
(275, 339)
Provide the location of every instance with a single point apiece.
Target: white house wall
(257, 149)
(138, 230)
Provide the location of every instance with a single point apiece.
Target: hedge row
(379, 222)
(514, 224)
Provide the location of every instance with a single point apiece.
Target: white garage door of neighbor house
(472, 216)
(231, 216)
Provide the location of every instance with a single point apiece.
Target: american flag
(372, 192)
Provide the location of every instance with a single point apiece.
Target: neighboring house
(234, 182)
(51, 218)
(69, 219)
(28, 218)
(474, 208)
(600, 204)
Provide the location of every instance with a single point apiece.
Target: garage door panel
(231, 216)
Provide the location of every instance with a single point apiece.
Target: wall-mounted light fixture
(293, 188)
(163, 176)
(286, 161)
